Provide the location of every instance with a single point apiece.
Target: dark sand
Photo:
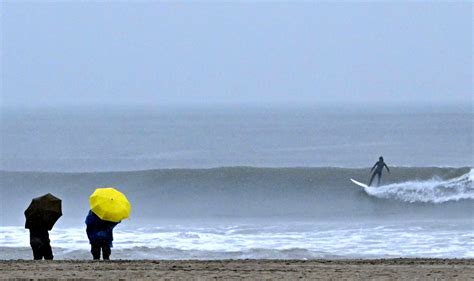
(389, 269)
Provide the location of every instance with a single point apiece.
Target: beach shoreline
(357, 269)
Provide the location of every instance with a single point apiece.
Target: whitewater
(283, 240)
(434, 190)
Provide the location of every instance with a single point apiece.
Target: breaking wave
(319, 193)
(430, 191)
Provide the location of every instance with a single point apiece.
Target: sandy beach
(385, 269)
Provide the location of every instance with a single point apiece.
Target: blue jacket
(99, 230)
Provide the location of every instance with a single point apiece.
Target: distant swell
(431, 191)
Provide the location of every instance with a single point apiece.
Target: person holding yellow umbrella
(108, 208)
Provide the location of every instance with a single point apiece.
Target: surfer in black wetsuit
(378, 167)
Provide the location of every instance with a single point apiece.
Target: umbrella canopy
(43, 212)
(109, 204)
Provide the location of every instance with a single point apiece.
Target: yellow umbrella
(109, 204)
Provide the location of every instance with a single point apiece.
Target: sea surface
(270, 182)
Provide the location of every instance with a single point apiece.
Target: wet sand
(388, 269)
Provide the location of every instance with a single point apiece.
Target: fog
(162, 53)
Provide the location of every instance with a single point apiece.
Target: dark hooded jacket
(99, 230)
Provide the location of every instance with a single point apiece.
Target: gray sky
(235, 52)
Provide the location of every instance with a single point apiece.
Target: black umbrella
(43, 212)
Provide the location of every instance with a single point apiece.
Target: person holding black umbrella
(40, 244)
(41, 215)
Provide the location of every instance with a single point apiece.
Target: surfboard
(359, 183)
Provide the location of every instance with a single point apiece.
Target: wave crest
(430, 191)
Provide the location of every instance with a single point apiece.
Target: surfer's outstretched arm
(388, 170)
(375, 165)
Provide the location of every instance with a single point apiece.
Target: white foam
(274, 241)
(431, 191)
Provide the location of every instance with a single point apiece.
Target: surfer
(378, 167)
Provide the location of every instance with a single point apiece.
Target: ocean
(248, 182)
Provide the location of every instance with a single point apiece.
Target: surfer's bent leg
(378, 178)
